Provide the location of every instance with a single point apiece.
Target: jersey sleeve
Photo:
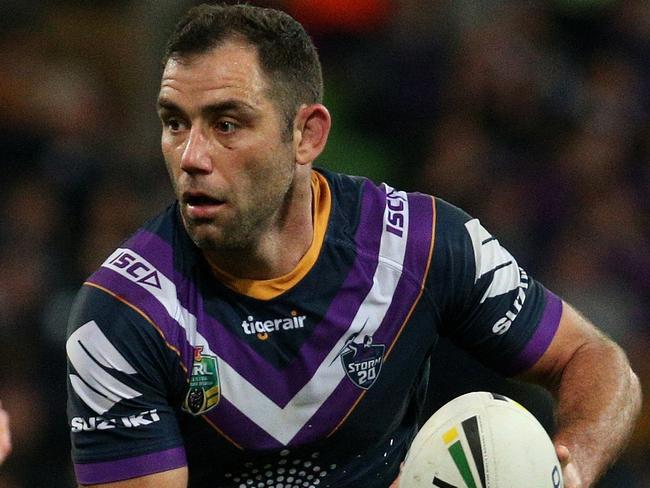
(487, 303)
(122, 383)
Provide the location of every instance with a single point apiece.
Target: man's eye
(226, 126)
(173, 124)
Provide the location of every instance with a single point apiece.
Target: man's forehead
(228, 54)
(231, 67)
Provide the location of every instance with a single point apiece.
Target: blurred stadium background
(531, 115)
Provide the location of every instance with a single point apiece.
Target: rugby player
(273, 326)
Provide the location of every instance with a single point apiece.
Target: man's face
(222, 139)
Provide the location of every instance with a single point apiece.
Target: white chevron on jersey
(90, 351)
(284, 422)
(490, 256)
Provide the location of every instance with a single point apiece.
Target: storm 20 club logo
(362, 360)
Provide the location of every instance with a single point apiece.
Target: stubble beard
(243, 232)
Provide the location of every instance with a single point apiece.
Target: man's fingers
(570, 473)
(563, 454)
(5, 437)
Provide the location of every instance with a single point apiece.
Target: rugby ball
(482, 440)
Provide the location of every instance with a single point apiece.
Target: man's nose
(196, 154)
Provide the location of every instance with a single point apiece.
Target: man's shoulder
(98, 314)
(349, 190)
(355, 186)
(342, 184)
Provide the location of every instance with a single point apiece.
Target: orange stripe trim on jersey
(269, 289)
(352, 408)
(221, 432)
(424, 278)
(144, 315)
(173, 348)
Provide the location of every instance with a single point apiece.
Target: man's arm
(120, 369)
(598, 396)
(175, 478)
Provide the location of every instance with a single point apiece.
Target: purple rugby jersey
(319, 385)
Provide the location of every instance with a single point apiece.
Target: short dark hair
(285, 51)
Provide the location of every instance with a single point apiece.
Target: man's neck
(277, 250)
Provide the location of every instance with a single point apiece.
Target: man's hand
(5, 436)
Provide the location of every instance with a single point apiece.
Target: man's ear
(310, 131)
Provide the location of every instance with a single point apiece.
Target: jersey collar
(269, 289)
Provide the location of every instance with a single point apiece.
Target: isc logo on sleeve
(134, 267)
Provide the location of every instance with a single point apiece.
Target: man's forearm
(599, 399)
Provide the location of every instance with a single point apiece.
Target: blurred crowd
(533, 116)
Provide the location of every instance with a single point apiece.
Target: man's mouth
(201, 206)
(201, 200)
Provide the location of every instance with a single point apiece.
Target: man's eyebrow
(166, 104)
(229, 105)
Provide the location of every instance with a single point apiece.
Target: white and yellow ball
(482, 440)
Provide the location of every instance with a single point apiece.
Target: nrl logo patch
(204, 391)
(362, 360)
